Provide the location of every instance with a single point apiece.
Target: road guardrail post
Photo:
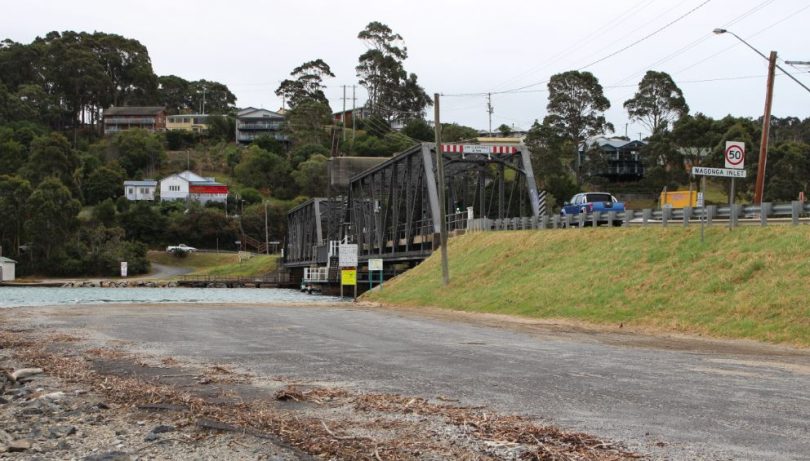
(666, 213)
(711, 211)
(544, 222)
(645, 216)
(796, 209)
(555, 221)
(735, 214)
(595, 218)
(568, 220)
(581, 219)
(628, 216)
(765, 208)
(611, 217)
(687, 215)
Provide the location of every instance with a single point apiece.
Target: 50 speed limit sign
(735, 154)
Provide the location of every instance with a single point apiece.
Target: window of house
(131, 190)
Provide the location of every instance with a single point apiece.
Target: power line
(635, 9)
(696, 42)
(679, 18)
(791, 15)
(621, 50)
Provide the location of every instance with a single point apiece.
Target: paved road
(670, 399)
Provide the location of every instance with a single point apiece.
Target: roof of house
(193, 178)
(134, 110)
(252, 112)
(612, 143)
(145, 182)
(7, 260)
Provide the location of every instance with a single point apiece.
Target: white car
(182, 247)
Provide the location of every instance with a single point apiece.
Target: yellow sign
(348, 277)
(679, 199)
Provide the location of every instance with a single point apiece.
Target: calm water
(24, 296)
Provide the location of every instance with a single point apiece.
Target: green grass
(749, 283)
(218, 263)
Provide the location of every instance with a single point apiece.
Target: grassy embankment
(750, 283)
(218, 263)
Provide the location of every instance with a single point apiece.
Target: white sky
(460, 46)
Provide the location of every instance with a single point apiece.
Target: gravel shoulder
(96, 398)
(430, 383)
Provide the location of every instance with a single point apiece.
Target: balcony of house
(268, 126)
(250, 137)
(129, 121)
(624, 169)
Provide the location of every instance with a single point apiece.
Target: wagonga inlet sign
(721, 172)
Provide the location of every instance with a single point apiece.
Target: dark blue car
(588, 202)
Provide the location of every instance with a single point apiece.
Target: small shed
(7, 269)
(140, 190)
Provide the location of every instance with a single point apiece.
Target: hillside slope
(749, 283)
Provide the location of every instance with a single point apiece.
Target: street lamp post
(759, 188)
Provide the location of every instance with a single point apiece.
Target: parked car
(588, 202)
(182, 248)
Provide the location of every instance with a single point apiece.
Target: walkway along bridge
(391, 211)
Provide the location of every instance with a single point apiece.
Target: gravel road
(674, 398)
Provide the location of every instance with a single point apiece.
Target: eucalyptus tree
(393, 93)
(576, 106)
(657, 103)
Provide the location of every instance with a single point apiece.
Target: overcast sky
(460, 47)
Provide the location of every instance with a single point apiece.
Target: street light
(719, 31)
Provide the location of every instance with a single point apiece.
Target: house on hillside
(140, 190)
(117, 119)
(192, 187)
(252, 123)
(620, 158)
(196, 123)
(350, 115)
(7, 267)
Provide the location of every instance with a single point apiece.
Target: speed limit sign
(735, 154)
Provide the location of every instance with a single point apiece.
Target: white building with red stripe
(190, 186)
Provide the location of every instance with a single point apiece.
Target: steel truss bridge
(392, 210)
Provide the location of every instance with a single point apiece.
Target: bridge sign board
(348, 277)
(735, 154)
(721, 172)
(347, 255)
(375, 264)
(479, 149)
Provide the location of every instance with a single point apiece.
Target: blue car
(588, 202)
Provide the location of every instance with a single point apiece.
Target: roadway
(673, 398)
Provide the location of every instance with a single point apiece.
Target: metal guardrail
(794, 213)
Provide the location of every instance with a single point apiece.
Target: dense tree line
(677, 141)
(63, 81)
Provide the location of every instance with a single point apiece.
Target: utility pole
(266, 235)
(489, 111)
(203, 102)
(354, 116)
(440, 173)
(343, 115)
(759, 189)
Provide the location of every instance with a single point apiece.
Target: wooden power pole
(759, 188)
(442, 206)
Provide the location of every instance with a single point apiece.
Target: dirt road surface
(666, 397)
